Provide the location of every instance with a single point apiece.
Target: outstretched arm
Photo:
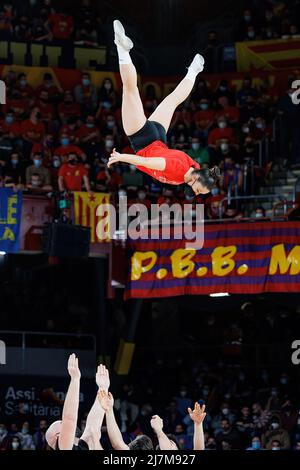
(198, 415)
(92, 432)
(155, 163)
(116, 439)
(70, 410)
(163, 440)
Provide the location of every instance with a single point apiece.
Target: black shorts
(150, 132)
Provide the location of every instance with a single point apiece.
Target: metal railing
(230, 198)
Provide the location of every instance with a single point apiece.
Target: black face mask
(73, 162)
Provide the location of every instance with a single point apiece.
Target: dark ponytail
(208, 177)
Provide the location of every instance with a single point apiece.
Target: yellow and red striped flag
(85, 208)
(268, 55)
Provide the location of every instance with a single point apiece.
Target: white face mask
(142, 195)
(258, 215)
(224, 147)
(15, 445)
(195, 145)
(275, 425)
(109, 143)
(222, 125)
(246, 130)
(132, 168)
(122, 193)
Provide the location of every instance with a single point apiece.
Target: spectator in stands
(15, 443)
(39, 436)
(230, 112)
(26, 438)
(4, 437)
(221, 132)
(37, 168)
(198, 152)
(202, 92)
(107, 95)
(70, 129)
(32, 131)
(255, 444)
(223, 91)
(66, 147)
(227, 434)
(259, 212)
(68, 108)
(22, 29)
(73, 175)
(14, 170)
(132, 178)
(204, 118)
(276, 433)
(88, 133)
(46, 109)
(49, 86)
(210, 52)
(9, 127)
(60, 25)
(247, 90)
(36, 184)
(6, 28)
(223, 150)
(86, 94)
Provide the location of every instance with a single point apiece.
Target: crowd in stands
(51, 22)
(60, 140)
(270, 19)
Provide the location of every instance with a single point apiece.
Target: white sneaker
(120, 37)
(198, 63)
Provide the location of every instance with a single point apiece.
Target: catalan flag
(86, 214)
(268, 55)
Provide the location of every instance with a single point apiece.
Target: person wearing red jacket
(148, 136)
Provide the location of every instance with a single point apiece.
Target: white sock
(191, 74)
(124, 56)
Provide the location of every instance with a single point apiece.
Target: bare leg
(133, 116)
(164, 112)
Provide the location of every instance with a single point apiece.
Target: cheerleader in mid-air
(148, 136)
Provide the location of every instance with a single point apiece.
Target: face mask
(142, 195)
(90, 125)
(283, 380)
(73, 161)
(247, 18)
(23, 82)
(65, 141)
(195, 146)
(225, 411)
(107, 86)
(275, 448)
(24, 431)
(274, 393)
(256, 445)
(189, 198)
(205, 392)
(251, 34)
(15, 445)
(14, 162)
(2, 432)
(109, 143)
(9, 119)
(35, 184)
(222, 125)
(246, 130)
(269, 34)
(275, 425)
(106, 104)
(214, 191)
(37, 162)
(56, 163)
(122, 193)
(204, 106)
(110, 124)
(222, 88)
(183, 393)
(132, 168)
(86, 81)
(258, 215)
(224, 147)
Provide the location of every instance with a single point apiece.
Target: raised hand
(102, 378)
(156, 423)
(197, 414)
(115, 157)
(73, 367)
(106, 400)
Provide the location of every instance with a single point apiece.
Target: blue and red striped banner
(236, 258)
